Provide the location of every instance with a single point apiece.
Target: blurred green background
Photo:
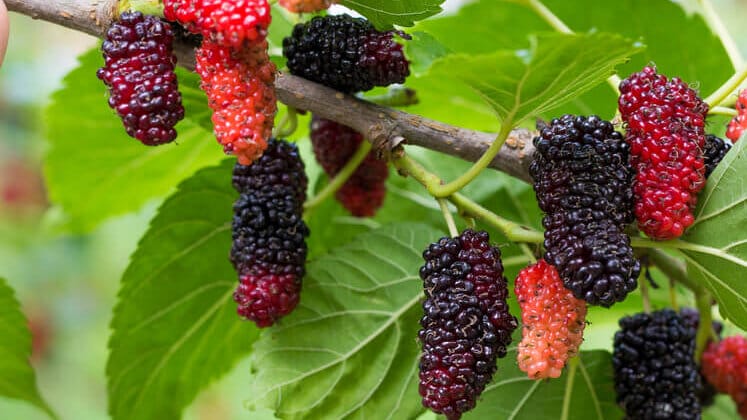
(68, 284)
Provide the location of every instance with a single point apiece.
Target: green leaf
(94, 170)
(512, 395)
(385, 13)
(557, 68)
(175, 327)
(17, 378)
(715, 246)
(350, 348)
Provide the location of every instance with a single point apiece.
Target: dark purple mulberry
(466, 325)
(714, 151)
(655, 374)
(139, 71)
(269, 234)
(345, 53)
(583, 183)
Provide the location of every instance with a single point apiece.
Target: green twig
(722, 110)
(448, 217)
(645, 296)
(147, 7)
(572, 367)
(718, 27)
(288, 124)
(672, 268)
(705, 327)
(728, 88)
(341, 176)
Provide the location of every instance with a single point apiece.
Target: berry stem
(288, 124)
(722, 110)
(395, 96)
(345, 173)
(146, 7)
(645, 296)
(448, 217)
(718, 27)
(673, 295)
(728, 88)
(705, 326)
(438, 190)
(567, 396)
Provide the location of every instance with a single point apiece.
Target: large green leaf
(175, 327)
(94, 170)
(556, 69)
(385, 13)
(716, 244)
(350, 349)
(17, 378)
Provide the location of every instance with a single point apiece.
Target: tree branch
(384, 127)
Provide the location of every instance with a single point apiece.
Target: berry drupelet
(724, 365)
(345, 53)
(139, 71)
(466, 325)
(739, 122)
(269, 234)
(582, 180)
(665, 122)
(229, 23)
(714, 151)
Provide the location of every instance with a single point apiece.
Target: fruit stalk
(345, 173)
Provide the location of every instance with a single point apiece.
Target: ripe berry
(665, 128)
(466, 324)
(269, 234)
(655, 374)
(139, 71)
(552, 321)
(239, 84)
(345, 53)
(714, 151)
(739, 123)
(225, 22)
(334, 144)
(724, 364)
(582, 180)
(305, 6)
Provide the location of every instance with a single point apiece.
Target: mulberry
(583, 183)
(139, 71)
(739, 123)
(552, 319)
(466, 325)
(724, 365)
(228, 23)
(334, 144)
(707, 392)
(345, 53)
(239, 84)
(269, 234)
(655, 374)
(306, 6)
(714, 151)
(665, 128)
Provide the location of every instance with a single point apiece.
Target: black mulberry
(715, 150)
(345, 53)
(269, 234)
(655, 374)
(466, 325)
(139, 71)
(583, 183)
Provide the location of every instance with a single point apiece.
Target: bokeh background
(68, 284)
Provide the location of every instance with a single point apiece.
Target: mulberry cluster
(724, 365)
(345, 53)
(583, 183)
(225, 22)
(714, 151)
(466, 325)
(305, 6)
(707, 392)
(655, 374)
(334, 144)
(239, 84)
(269, 234)
(139, 71)
(665, 128)
(739, 123)
(552, 319)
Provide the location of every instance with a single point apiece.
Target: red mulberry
(582, 180)
(552, 321)
(334, 144)
(269, 234)
(139, 71)
(665, 128)
(305, 6)
(739, 123)
(724, 365)
(345, 53)
(714, 151)
(466, 325)
(225, 22)
(655, 373)
(239, 84)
